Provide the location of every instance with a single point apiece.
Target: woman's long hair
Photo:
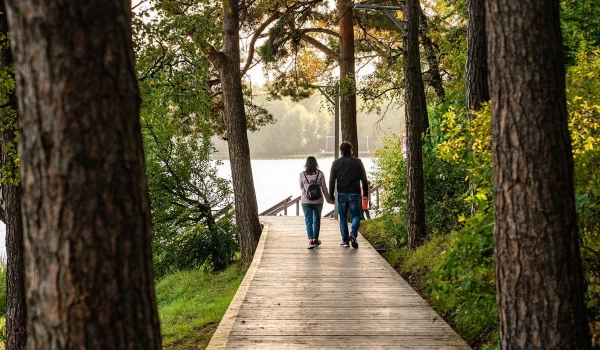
(311, 165)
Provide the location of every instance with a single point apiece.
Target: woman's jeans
(353, 202)
(312, 217)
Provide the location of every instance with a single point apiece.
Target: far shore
(225, 156)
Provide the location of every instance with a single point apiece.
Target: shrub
(192, 208)
(444, 188)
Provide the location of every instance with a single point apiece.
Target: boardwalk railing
(283, 205)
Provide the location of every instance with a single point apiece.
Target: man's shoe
(311, 245)
(344, 245)
(353, 241)
(317, 242)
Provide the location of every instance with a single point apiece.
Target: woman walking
(314, 192)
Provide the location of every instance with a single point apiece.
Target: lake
(274, 180)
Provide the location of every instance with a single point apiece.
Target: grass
(191, 305)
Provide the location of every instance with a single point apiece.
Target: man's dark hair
(311, 165)
(346, 148)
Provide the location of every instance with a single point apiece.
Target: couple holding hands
(348, 173)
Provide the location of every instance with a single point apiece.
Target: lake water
(274, 180)
(277, 179)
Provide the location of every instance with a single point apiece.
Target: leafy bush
(444, 189)
(195, 247)
(192, 209)
(583, 90)
(462, 286)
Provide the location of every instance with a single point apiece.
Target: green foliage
(444, 186)
(191, 304)
(191, 206)
(192, 211)
(9, 173)
(583, 94)
(455, 272)
(463, 285)
(173, 66)
(580, 22)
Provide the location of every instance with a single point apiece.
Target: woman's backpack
(313, 192)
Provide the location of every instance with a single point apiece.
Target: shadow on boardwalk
(326, 298)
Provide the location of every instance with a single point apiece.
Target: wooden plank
(329, 297)
(219, 339)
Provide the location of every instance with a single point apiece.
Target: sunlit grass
(191, 305)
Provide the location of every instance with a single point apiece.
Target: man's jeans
(312, 218)
(350, 201)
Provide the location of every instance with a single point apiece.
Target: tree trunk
(246, 208)
(477, 70)
(435, 78)
(86, 213)
(416, 115)
(16, 315)
(539, 279)
(347, 76)
(16, 311)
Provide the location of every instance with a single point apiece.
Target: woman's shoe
(311, 244)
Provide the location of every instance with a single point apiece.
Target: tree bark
(433, 62)
(246, 208)
(476, 67)
(539, 279)
(16, 310)
(347, 75)
(86, 212)
(416, 115)
(16, 315)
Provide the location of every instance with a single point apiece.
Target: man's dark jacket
(349, 172)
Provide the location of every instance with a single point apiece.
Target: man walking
(349, 172)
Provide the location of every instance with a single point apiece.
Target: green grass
(191, 304)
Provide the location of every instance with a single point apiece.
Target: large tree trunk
(347, 75)
(477, 70)
(16, 315)
(539, 279)
(416, 115)
(246, 208)
(86, 213)
(431, 55)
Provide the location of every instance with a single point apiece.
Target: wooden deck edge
(221, 336)
(461, 343)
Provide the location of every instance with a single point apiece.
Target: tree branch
(322, 47)
(320, 30)
(255, 37)
(214, 56)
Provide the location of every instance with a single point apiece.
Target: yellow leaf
(467, 178)
(461, 218)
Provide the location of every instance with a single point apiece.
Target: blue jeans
(350, 201)
(312, 218)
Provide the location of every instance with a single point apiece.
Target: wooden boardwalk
(326, 298)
